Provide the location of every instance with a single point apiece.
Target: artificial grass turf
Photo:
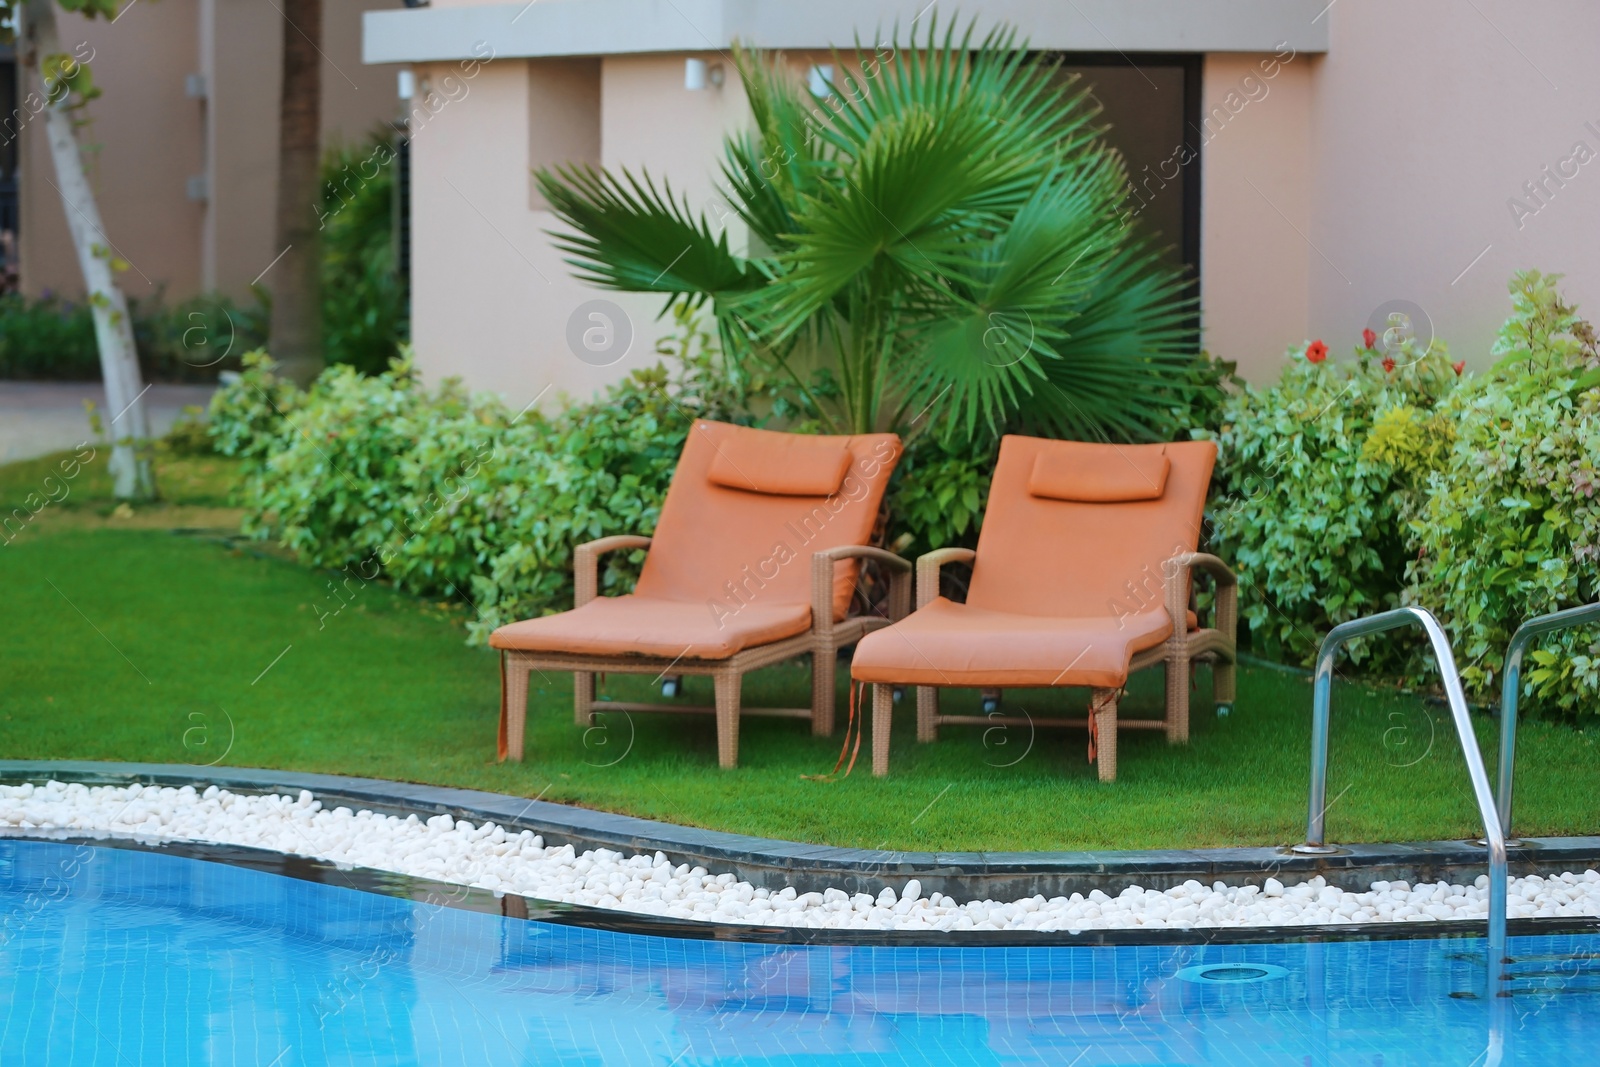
(152, 646)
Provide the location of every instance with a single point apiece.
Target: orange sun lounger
(754, 561)
(1081, 575)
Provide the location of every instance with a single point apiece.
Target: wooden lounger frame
(1217, 645)
(822, 643)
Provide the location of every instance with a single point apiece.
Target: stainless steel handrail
(1511, 690)
(1322, 692)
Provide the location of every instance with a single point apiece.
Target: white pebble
(490, 857)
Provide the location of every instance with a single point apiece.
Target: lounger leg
(1178, 696)
(727, 685)
(927, 713)
(1103, 706)
(583, 698)
(514, 704)
(1222, 680)
(882, 721)
(823, 670)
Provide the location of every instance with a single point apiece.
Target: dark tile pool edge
(509, 905)
(809, 867)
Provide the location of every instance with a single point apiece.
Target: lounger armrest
(822, 564)
(586, 562)
(1177, 571)
(928, 567)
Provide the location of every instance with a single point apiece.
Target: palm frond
(628, 235)
(759, 201)
(944, 228)
(908, 213)
(983, 340)
(1131, 343)
(783, 160)
(995, 81)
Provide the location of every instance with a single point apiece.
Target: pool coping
(808, 867)
(615, 920)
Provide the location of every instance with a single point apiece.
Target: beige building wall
(1255, 207)
(151, 137)
(1432, 116)
(145, 140)
(492, 300)
(1407, 163)
(1400, 156)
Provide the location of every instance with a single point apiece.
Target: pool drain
(1232, 973)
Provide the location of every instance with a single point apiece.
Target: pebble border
(487, 856)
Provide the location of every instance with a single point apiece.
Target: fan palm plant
(943, 231)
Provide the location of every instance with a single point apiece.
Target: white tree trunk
(126, 423)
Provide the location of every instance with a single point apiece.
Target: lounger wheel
(1224, 710)
(899, 691)
(672, 686)
(991, 701)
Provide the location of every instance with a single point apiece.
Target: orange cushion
(1043, 556)
(782, 464)
(737, 546)
(646, 626)
(950, 644)
(1100, 474)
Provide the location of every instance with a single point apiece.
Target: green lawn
(127, 643)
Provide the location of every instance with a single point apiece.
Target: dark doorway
(1151, 104)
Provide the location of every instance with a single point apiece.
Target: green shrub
(937, 497)
(1308, 514)
(194, 340)
(47, 338)
(364, 316)
(453, 495)
(246, 418)
(446, 493)
(1511, 527)
(53, 339)
(331, 488)
(601, 469)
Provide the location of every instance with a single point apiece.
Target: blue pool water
(129, 958)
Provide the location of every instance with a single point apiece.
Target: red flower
(1459, 367)
(1316, 352)
(1388, 363)
(1369, 339)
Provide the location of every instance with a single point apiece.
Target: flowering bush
(1316, 475)
(1510, 527)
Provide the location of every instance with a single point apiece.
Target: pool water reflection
(118, 957)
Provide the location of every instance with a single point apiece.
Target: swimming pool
(117, 957)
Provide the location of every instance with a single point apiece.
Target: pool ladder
(1322, 691)
(1494, 809)
(1511, 691)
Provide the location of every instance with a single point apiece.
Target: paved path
(37, 418)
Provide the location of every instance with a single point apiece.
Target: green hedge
(448, 494)
(1313, 519)
(1354, 487)
(1511, 527)
(53, 339)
